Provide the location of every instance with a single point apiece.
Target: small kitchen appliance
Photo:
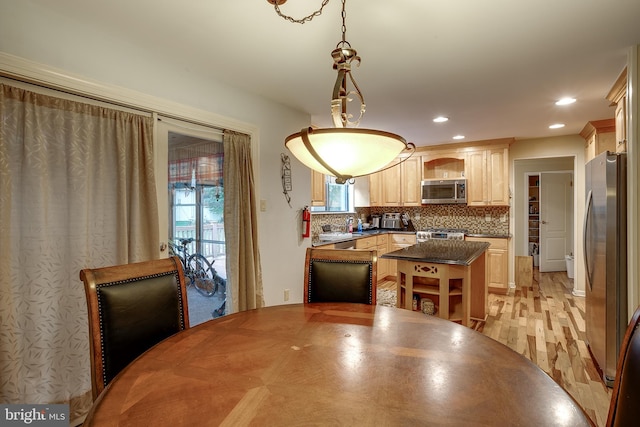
(391, 221)
(441, 234)
(444, 191)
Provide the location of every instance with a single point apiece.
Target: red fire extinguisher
(306, 221)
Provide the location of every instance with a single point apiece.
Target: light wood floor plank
(545, 323)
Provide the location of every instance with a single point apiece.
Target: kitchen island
(449, 273)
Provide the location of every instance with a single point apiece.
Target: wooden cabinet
(600, 136)
(618, 97)
(375, 189)
(497, 263)
(443, 165)
(487, 173)
(318, 189)
(399, 241)
(367, 243)
(397, 186)
(378, 242)
(383, 247)
(410, 177)
(384, 187)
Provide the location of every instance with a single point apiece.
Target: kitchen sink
(334, 236)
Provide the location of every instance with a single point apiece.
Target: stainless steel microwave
(444, 191)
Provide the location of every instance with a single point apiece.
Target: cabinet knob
(544, 222)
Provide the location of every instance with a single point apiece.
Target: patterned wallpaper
(473, 218)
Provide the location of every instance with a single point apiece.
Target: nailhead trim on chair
(339, 261)
(119, 282)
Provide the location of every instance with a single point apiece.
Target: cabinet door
(488, 177)
(475, 167)
(318, 189)
(497, 264)
(391, 187)
(497, 271)
(497, 176)
(410, 177)
(375, 189)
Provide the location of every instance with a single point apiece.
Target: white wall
(547, 148)
(37, 34)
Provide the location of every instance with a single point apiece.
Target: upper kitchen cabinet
(487, 173)
(410, 177)
(618, 98)
(397, 186)
(384, 187)
(443, 165)
(600, 136)
(318, 189)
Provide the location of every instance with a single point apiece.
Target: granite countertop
(458, 252)
(365, 233)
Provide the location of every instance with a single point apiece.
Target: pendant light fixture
(342, 151)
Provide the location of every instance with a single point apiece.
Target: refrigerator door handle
(587, 210)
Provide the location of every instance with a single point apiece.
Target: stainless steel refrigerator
(605, 259)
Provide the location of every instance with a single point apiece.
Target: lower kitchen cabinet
(399, 241)
(379, 243)
(497, 263)
(383, 264)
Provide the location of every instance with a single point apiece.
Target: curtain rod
(180, 122)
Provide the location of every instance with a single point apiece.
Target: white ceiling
(494, 67)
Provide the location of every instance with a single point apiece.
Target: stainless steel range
(441, 233)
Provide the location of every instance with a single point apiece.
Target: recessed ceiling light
(556, 126)
(441, 119)
(458, 137)
(565, 101)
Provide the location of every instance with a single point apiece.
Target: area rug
(386, 297)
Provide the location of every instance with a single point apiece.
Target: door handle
(587, 210)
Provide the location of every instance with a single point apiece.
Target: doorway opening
(196, 220)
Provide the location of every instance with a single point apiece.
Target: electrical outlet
(263, 205)
(487, 217)
(286, 294)
(503, 218)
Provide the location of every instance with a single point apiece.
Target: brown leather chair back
(624, 409)
(131, 308)
(337, 275)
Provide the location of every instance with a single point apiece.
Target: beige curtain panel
(77, 190)
(244, 285)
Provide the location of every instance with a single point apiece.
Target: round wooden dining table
(333, 364)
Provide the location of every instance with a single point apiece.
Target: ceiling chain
(302, 20)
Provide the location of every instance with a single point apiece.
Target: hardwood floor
(545, 323)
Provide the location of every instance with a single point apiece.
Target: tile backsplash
(478, 220)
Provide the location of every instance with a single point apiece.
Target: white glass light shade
(350, 152)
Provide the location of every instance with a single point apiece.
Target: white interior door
(556, 220)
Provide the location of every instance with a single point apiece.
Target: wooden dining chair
(624, 409)
(131, 308)
(340, 275)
